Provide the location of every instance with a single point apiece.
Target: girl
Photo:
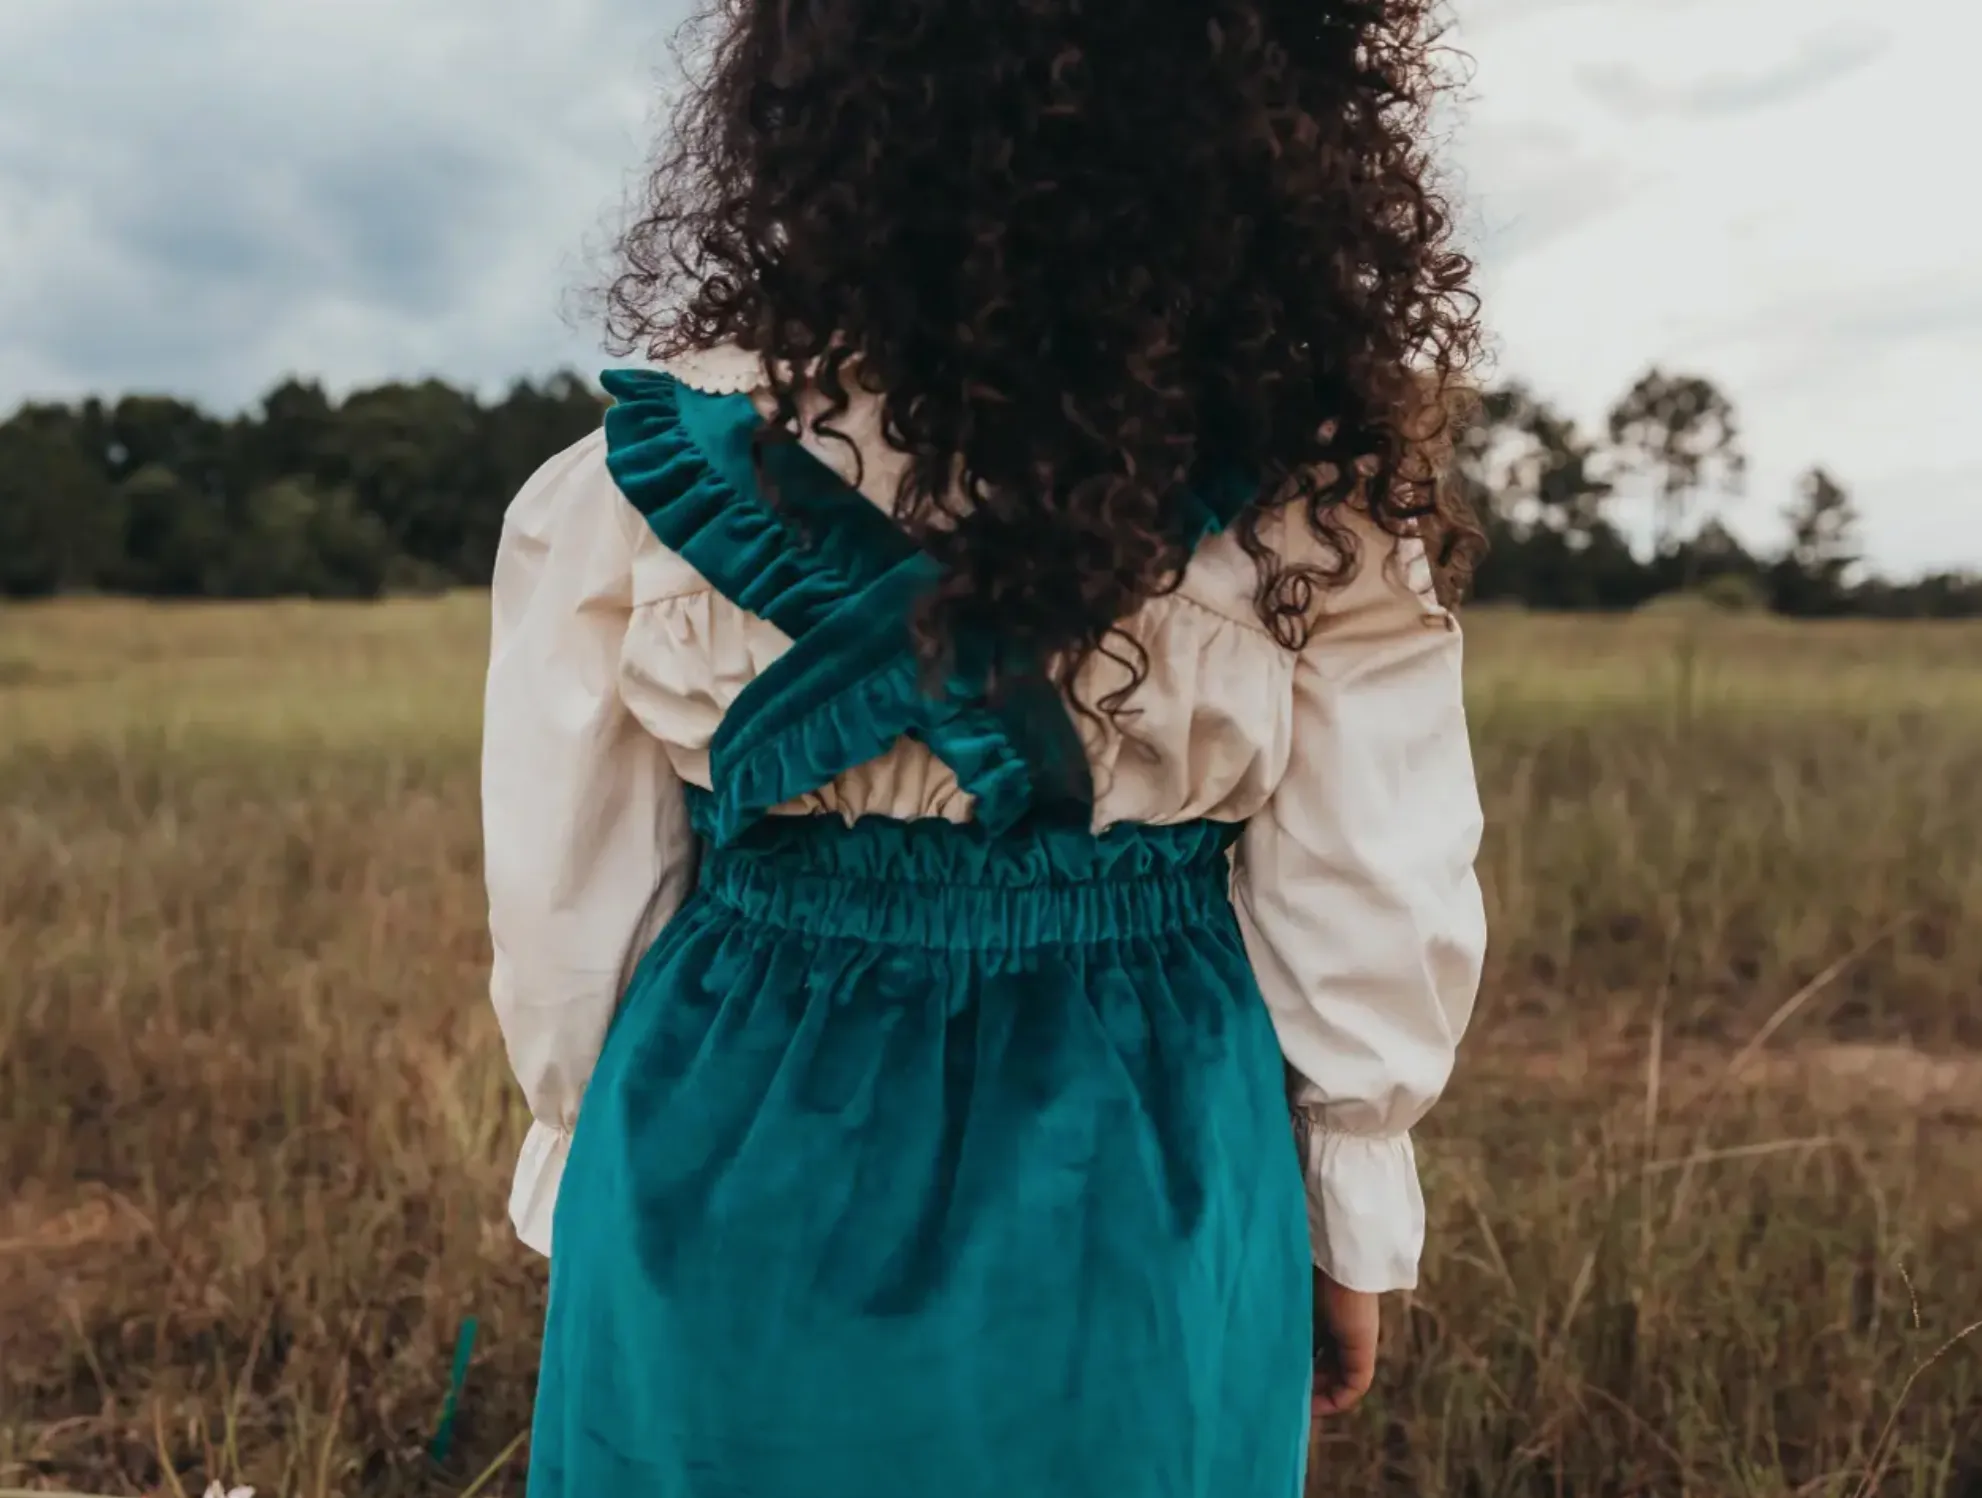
(979, 818)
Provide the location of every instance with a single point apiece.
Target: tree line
(396, 488)
(1547, 491)
(401, 487)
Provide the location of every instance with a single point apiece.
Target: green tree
(1531, 472)
(1536, 466)
(1813, 574)
(156, 431)
(294, 433)
(1678, 433)
(175, 538)
(414, 456)
(296, 540)
(353, 550)
(59, 523)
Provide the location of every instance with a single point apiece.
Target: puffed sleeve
(1361, 908)
(586, 842)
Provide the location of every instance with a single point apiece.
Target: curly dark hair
(1082, 250)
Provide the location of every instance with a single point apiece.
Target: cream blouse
(612, 663)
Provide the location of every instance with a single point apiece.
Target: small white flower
(215, 1490)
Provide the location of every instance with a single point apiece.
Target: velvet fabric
(922, 1160)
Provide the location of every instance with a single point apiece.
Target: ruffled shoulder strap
(839, 578)
(842, 581)
(683, 457)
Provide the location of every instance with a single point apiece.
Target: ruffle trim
(878, 848)
(725, 369)
(942, 885)
(856, 724)
(1366, 1207)
(683, 459)
(850, 685)
(533, 1193)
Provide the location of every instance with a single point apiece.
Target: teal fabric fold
(930, 883)
(683, 459)
(846, 691)
(920, 1159)
(924, 1162)
(836, 575)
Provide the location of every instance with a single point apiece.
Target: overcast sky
(200, 196)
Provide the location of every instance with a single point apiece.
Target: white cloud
(203, 195)
(1792, 224)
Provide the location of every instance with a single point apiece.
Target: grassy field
(1706, 1197)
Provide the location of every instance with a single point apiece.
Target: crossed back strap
(841, 580)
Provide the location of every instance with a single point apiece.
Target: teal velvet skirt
(926, 1163)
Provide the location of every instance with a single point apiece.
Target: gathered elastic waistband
(938, 884)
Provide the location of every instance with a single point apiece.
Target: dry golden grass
(1707, 1197)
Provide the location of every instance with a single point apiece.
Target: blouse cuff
(1366, 1210)
(533, 1195)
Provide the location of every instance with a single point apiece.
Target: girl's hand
(1345, 1335)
